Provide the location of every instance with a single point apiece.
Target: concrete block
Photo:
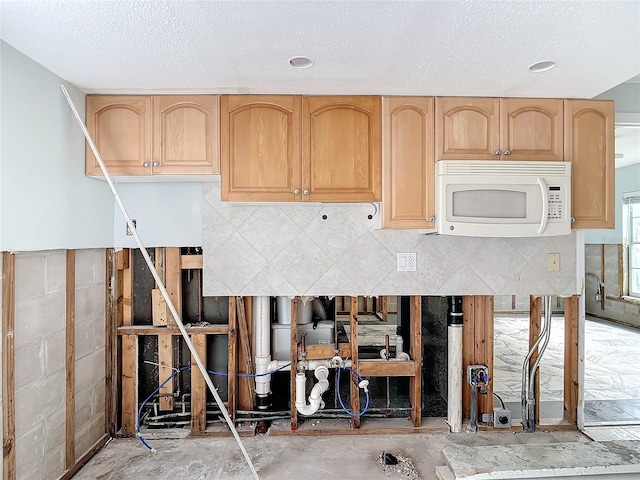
(85, 339)
(90, 434)
(39, 317)
(97, 398)
(56, 271)
(51, 467)
(55, 432)
(29, 450)
(30, 363)
(54, 352)
(30, 275)
(90, 369)
(90, 303)
(100, 265)
(85, 266)
(83, 407)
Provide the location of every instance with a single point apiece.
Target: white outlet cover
(406, 262)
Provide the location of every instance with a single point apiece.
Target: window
(631, 233)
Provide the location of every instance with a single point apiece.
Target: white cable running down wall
(160, 284)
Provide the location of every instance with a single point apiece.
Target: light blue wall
(626, 97)
(46, 201)
(627, 180)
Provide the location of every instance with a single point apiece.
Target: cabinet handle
(507, 152)
(497, 152)
(296, 191)
(145, 164)
(156, 164)
(306, 192)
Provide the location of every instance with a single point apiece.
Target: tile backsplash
(336, 249)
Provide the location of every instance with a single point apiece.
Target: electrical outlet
(129, 232)
(477, 375)
(501, 418)
(553, 262)
(406, 262)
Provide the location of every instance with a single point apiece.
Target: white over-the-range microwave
(503, 199)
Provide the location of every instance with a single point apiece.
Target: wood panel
(589, 146)
(232, 360)
(531, 129)
(198, 387)
(111, 342)
(415, 352)
(129, 384)
(353, 339)
(571, 359)
(121, 128)
(535, 315)
(191, 262)
(8, 367)
(319, 352)
(186, 134)
(387, 368)
(408, 198)
(70, 359)
(294, 364)
(341, 159)
(467, 128)
(260, 145)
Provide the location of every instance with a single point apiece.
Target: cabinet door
(531, 129)
(588, 145)
(341, 154)
(121, 130)
(407, 162)
(186, 137)
(467, 128)
(260, 148)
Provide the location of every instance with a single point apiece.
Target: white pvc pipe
(315, 397)
(455, 374)
(159, 282)
(262, 343)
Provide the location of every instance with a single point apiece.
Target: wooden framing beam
(468, 350)
(571, 359)
(161, 331)
(70, 360)
(246, 385)
(129, 384)
(415, 352)
(535, 314)
(111, 342)
(353, 339)
(191, 262)
(384, 368)
(245, 344)
(317, 352)
(8, 367)
(294, 363)
(173, 280)
(232, 360)
(198, 388)
(161, 318)
(127, 289)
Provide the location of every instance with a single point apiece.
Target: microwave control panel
(556, 203)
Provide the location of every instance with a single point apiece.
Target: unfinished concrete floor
(345, 457)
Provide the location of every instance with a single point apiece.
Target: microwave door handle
(545, 205)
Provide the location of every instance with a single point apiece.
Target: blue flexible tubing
(366, 394)
(176, 372)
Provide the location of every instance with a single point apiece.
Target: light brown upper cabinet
(154, 135)
(292, 148)
(407, 162)
(589, 146)
(470, 128)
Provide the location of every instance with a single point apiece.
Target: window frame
(631, 203)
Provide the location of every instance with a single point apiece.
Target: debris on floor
(398, 464)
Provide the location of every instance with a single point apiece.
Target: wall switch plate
(129, 232)
(407, 262)
(553, 262)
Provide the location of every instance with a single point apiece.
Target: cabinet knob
(507, 152)
(145, 164)
(497, 152)
(296, 191)
(306, 192)
(156, 164)
(432, 219)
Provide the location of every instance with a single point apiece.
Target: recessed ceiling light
(300, 62)
(542, 66)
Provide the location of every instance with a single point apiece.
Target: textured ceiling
(418, 48)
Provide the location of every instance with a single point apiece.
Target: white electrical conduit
(160, 284)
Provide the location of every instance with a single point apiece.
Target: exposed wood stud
(353, 339)
(88, 455)
(151, 330)
(127, 290)
(382, 368)
(415, 352)
(294, 363)
(8, 367)
(173, 280)
(198, 388)
(191, 262)
(70, 360)
(246, 394)
(468, 348)
(129, 384)
(486, 401)
(571, 359)
(535, 314)
(245, 344)
(161, 318)
(111, 342)
(232, 360)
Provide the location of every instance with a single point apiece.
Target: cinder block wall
(40, 362)
(617, 310)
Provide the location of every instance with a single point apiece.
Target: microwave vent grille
(546, 169)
